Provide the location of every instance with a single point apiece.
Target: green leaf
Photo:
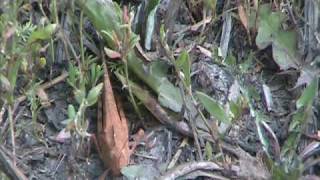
(151, 5)
(44, 33)
(134, 40)
(79, 95)
(284, 48)
(308, 95)
(284, 43)
(269, 24)
(71, 111)
(208, 151)
(73, 75)
(169, 96)
(162, 33)
(150, 28)
(13, 73)
(104, 15)
(235, 109)
(213, 107)
(184, 64)
(94, 94)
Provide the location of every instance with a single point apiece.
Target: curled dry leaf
(243, 17)
(112, 131)
(43, 96)
(111, 53)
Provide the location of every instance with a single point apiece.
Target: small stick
(177, 154)
(46, 85)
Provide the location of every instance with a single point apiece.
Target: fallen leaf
(43, 96)
(63, 135)
(111, 53)
(243, 16)
(204, 51)
(112, 134)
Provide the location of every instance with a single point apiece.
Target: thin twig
(46, 85)
(10, 115)
(177, 154)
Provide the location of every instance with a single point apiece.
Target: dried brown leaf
(243, 17)
(113, 131)
(111, 53)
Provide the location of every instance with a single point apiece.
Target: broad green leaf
(213, 107)
(269, 25)
(158, 69)
(284, 43)
(94, 94)
(169, 96)
(308, 95)
(184, 65)
(44, 33)
(283, 49)
(79, 95)
(105, 15)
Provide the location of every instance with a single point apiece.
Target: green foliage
(34, 101)
(169, 96)
(94, 94)
(283, 42)
(184, 65)
(105, 16)
(43, 33)
(208, 151)
(113, 31)
(299, 121)
(213, 107)
(86, 92)
(151, 10)
(278, 172)
(308, 95)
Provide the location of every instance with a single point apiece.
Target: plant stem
(10, 114)
(130, 90)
